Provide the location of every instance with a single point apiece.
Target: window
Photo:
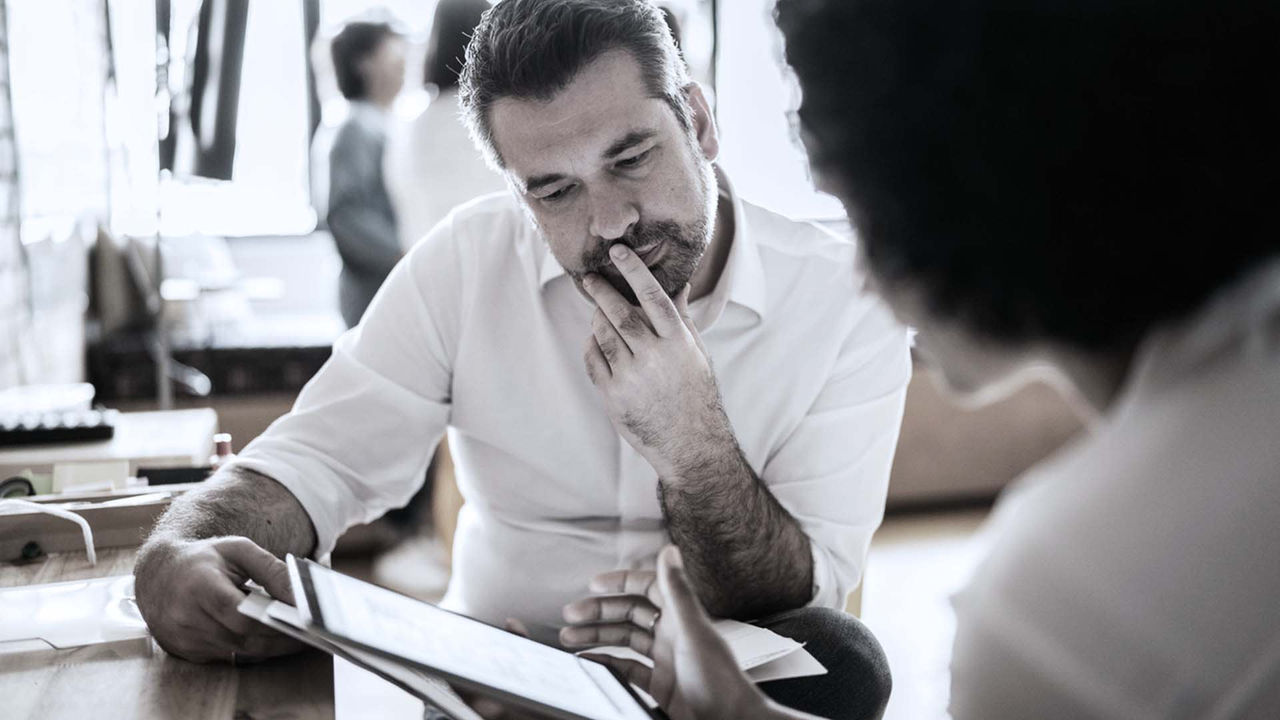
(755, 99)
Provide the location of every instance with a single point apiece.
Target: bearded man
(624, 354)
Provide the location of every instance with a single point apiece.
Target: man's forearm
(240, 502)
(747, 556)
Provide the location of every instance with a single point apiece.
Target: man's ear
(704, 124)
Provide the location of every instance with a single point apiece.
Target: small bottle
(221, 451)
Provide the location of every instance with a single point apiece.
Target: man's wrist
(715, 456)
(702, 446)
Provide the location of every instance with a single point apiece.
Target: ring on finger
(653, 621)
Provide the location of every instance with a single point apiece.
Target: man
(368, 62)
(1071, 186)
(567, 337)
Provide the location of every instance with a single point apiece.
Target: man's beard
(685, 244)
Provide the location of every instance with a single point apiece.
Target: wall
(14, 306)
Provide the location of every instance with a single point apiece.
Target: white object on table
(161, 439)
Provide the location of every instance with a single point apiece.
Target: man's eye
(634, 160)
(557, 195)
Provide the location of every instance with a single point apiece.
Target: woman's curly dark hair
(1069, 170)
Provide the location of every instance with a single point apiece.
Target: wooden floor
(916, 562)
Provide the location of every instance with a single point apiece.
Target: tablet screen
(464, 648)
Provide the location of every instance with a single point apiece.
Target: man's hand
(654, 374)
(694, 675)
(622, 611)
(188, 592)
(661, 395)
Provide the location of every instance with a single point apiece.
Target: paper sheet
(69, 614)
(763, 654)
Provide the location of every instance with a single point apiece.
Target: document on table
(761, 653)
(69, 614)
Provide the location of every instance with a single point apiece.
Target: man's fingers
(254, 563)
(261, 647)
(634, 609)
(597, 366)
(252, 641)
(613, 634)
(625, 318)
(627, 582)
(489, 709)
(200, 640)
(210, 630)
(221, 601)
(611, 343)
(635, 672)
(653, 299)
(682, 307)
(516, 627)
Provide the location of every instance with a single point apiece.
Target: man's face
(603, 163)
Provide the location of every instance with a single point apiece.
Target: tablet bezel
(309, 609)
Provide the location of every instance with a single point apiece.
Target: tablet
(466, 652)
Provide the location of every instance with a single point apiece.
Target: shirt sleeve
(832, 471)
(358, 439)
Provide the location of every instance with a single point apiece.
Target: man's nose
(612, 214)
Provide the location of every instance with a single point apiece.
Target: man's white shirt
(480, 330)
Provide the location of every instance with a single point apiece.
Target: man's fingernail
(674, 559)
(618, 251)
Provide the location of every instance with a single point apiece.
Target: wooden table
(136, 679)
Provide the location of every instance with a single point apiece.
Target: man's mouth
(652, 254)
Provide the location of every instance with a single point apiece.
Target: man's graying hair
(532, 49)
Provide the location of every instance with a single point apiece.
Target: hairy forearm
(746, 555)
(240, 502)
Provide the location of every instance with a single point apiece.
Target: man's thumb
(251, 561)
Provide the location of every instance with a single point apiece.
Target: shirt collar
(1240, 319)
(743, 275)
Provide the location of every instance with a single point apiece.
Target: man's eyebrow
(537, 182)
(635, 137)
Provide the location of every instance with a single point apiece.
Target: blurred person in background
(368, 62)
(431, 164)
(1075, 189)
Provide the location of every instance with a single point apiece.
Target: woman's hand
(694, 676)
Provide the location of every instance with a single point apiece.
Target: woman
(1078, 189)
(432, 165)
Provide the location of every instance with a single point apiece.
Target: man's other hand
(694, 674)
(653, 372)
(188, 591)
(622, 611)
